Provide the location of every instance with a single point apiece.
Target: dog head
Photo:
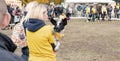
(59, 24)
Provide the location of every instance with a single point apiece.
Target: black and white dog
(59, 26)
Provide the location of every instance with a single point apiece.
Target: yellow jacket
(88, 10)
(104, 9)
(93, 10)
(39, 42)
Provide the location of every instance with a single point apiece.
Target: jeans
(109, 14)
(87, 17)
(93, 17)
(103, 16)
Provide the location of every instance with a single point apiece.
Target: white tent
(89, 1)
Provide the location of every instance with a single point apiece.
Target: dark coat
(7, 47)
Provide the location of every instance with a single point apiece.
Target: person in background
(79, 9)
(118, 8)
(116, 11)
(69, 11)
(17, 15)
(19, 34)
(104, 12)
(40, 38)
(99, 11)
(84, 10)
(93, 13)
(7, 47)
(87, 13)
(109, 12)
(10, 10)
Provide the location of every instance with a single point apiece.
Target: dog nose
(56, 29)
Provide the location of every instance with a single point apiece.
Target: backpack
(18, 35)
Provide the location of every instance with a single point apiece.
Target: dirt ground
(89, 41)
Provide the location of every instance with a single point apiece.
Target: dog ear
(53, 21)
(64, 21)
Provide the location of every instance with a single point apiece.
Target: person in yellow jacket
(104, 12)
(104, 9)
(40, 38)
(94, 11)
(87, 13)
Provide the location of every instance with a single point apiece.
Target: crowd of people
(90, 11)
(100, 11)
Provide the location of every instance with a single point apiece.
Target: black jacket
(7, 47)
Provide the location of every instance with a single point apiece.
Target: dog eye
(60, 24)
